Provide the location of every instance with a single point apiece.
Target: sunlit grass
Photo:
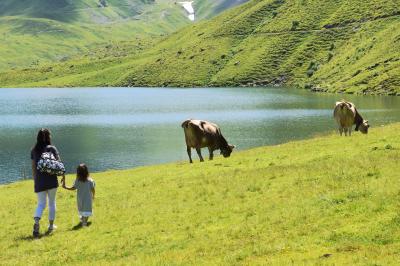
(331, 199)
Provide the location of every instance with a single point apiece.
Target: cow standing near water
(200, 134)
(346, 115)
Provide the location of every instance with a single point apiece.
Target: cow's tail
(342, 104)
(185, 123)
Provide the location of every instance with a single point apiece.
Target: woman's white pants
(42, 198)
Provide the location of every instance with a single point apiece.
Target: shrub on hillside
(312, 68)
(295, 24)
(330, 55)
(103, 3)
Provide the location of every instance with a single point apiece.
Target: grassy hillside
(330, 200)
(340, 46)
(37, 31)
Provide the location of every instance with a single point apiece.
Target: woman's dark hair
(43, 139)
(82, 172)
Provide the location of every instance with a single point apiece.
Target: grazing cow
(200, 134)
(346, 115)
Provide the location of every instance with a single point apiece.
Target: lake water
(117, 128)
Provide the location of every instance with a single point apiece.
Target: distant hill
(343, 46)
(35, 31)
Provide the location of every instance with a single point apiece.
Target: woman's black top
(44, 181)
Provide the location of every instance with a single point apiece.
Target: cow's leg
(340, 131)
(199, 153)
(349, 131)
(345, 131)
(211, 153)
(189, 152)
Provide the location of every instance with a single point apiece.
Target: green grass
(285, 204)
(36, 32)
(43, 31)
(336, 46)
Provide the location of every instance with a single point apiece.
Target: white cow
(346, 115)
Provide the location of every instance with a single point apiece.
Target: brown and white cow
(200, 134)
(346, 115)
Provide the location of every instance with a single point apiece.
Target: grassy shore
(328, 200)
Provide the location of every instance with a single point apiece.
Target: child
(85, 192)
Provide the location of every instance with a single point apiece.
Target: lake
(117, 128)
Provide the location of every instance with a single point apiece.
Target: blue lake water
(117, 128)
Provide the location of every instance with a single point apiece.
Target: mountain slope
(300, 203)
(346, 46)
(34, 31)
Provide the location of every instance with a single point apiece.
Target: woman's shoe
(36, 229)
(51, 228)
(84, 221)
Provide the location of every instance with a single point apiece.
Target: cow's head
(363, 127)
(226, 151)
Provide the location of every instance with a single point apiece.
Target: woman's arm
(93, 192)
(56, 153)
(33, 170)
(64, 186)
(68, 188)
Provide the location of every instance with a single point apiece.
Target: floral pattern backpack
(50, 165)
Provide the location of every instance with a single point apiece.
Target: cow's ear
(232, 146)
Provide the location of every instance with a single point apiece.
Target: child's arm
(93, 192)
(64, 186)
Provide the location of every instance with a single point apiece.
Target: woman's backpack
(50, 165)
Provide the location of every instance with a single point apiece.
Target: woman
(45, 184)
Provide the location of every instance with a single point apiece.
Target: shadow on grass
(79, 226)
(31, 237)
(47, 234)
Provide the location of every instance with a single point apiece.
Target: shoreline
(288, 86)
(316, 136)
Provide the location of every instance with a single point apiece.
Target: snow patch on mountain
(189, 9)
